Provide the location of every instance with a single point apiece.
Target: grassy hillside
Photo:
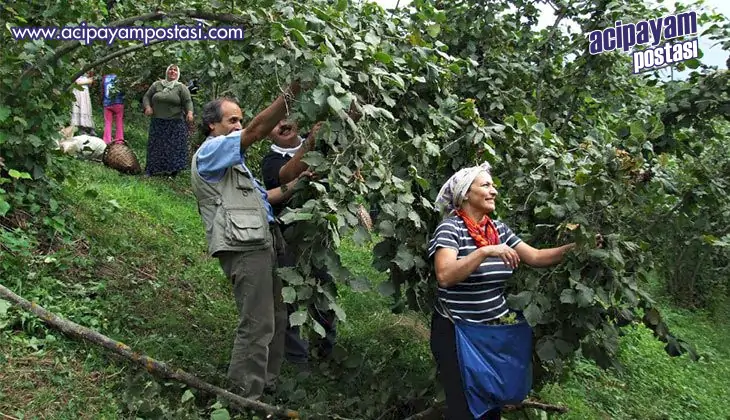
(135, 269)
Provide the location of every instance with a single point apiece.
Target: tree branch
(152, 365)
(111, 56)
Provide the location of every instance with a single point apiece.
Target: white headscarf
(170, 84)
(452, 193)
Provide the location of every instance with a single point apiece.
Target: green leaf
(533, 314)
(434, 30)
(519, 301)
(4, 207)
(290, 276)
(4, 306)
(19, 175)
(585, 297)
(236, 59)
(313, 158)
(372, 39)
(4, 113)
(341, 315)
(567, 296)
(297, 23)
(360, 236)
(318, 328)
(187, 396)
(360, 284)
(652, 317)
(289, 294)
(304, 292)
(334, 103)
(404, 258)
(91, 193)
(692, 63)
(546, 350)
(386, 288)
(293, 216)
(297, 318)
(220, 414)
(383, 57)
(637, 130)
(386, 228)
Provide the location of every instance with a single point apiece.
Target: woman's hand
(148, 110)
(190, 116)
(505, 253)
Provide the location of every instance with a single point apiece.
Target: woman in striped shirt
(473, 257)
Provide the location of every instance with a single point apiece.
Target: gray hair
(213, 113)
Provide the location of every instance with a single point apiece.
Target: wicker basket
(119, 156)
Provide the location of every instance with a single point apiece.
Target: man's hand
(189, 117)
(148, 110)
(305, 174)
(294, 88)
(312, 139)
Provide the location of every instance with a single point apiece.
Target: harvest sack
(119, 156)
(83, 146)
(495, 363)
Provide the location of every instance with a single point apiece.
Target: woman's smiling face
(482, 194)
(173, 73)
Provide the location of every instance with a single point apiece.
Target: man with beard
(243, 234)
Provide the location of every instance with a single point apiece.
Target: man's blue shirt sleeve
(218, 154)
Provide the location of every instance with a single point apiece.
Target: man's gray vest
(233, 211)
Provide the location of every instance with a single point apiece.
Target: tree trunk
(153, 366)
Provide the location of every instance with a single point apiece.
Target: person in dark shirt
(282, 164)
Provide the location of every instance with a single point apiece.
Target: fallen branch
(437, 410)
(153, 366)
(537, 406)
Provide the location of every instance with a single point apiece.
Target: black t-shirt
(270, 166)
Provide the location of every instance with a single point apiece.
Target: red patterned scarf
(484, 233)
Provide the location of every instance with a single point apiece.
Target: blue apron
(495, 363)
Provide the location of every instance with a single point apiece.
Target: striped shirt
(480, 297)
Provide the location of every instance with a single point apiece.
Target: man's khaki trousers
(258, 347)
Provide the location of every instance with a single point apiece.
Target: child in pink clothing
(113, 101)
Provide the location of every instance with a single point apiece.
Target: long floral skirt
(167, 147)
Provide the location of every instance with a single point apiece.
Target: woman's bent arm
(451, 271)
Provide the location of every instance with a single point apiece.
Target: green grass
(137, 271)
(653, 385)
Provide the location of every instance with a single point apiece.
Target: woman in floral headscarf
(168, 102)
(473, 257)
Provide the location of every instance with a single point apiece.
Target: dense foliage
(578, 143)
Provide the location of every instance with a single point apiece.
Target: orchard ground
(139, 274)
